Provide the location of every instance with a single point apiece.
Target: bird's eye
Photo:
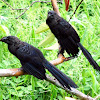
(49, 13)
(8, 38)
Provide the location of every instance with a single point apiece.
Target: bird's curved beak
(0, 39)
(3, 39)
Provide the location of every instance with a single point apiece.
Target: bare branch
(8, 4)
(19, 72)
(72, 91)
(11, 72)
(54, 3)
(75, 10)
(55, 7)
(60, 1)
(59, 60)
(27, 8)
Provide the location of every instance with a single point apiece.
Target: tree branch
(19, 71)
(72, 91)
(55, 7)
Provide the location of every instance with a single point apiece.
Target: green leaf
(41, 85)
(68, 98)
(4, 29)
(86, 88)
(49, 39)
(18, 88)
(43, 27)
(53, 47)
(29, 87)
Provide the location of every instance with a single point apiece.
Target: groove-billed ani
(67, 37)
(33, 61)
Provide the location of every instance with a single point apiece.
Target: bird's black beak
(3, 39)
(0, 39)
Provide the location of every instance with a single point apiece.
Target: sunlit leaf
(2, 18)
(18, 88)
(68, 98)
(42, 28)
(40, 85)
(77, 21)
(4, 29)
(53, 47)
(49, 39)
(87, 88)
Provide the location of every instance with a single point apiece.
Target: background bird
(33, 61)
(67, 38)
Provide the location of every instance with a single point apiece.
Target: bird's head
(52, 17)
(51, 14)
(10, 40)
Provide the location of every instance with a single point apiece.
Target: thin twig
(75, 10)
(27, 7)
(8, 4)
(30, 6)
(14, 9)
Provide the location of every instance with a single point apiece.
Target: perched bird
(33, 61)
(67, 37)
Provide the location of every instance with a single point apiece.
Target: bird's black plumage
(33, 61)
(67, 37)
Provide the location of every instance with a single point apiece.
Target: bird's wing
(31, 61)
(33, 70)
(69, 30)
(69, 37)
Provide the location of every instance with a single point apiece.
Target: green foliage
(42, 28)
(87, 22)
(50, 38)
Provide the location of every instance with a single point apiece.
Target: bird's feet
(64, 58)
(69, 58)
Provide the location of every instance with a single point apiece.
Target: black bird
(33, 61)
(67, 37)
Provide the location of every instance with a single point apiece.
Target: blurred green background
(86, 21)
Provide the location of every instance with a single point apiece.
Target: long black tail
(89, 57)
(61, 77)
